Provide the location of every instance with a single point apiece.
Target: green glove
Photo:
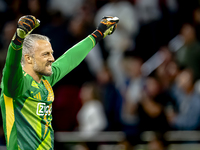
(25, 26)
(106, 27)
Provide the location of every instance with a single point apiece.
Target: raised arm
(12, 73)
(74, 56)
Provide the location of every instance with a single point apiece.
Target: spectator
(187, 116)
(132, 96)
(91, 117)
(189, 54)
(168, 70)
(135, 83)
(111, 98)
(152, 107)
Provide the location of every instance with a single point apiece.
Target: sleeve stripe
(92, 41)
(15, 48)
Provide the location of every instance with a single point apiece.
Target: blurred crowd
(145, 77)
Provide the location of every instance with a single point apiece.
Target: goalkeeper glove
(25, 26)
(106, 27)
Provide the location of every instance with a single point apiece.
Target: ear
(28, 59)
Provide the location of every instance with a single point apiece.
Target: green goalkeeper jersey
(27, 105)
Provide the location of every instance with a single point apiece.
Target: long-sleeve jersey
(26, 105)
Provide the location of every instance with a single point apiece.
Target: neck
(37, 77)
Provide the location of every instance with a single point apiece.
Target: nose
(51, 58)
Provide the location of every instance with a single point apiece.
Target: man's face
(43, 58)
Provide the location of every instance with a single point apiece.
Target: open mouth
(48, 66)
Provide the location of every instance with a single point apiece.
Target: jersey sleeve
(71, 59)
(12, 72)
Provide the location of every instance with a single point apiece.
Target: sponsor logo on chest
(43, 109)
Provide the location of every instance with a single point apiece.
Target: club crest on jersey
(43, 109)
(34, 84)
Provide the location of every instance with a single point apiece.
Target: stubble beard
(40, 71)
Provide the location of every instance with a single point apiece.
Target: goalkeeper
(28, 77)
